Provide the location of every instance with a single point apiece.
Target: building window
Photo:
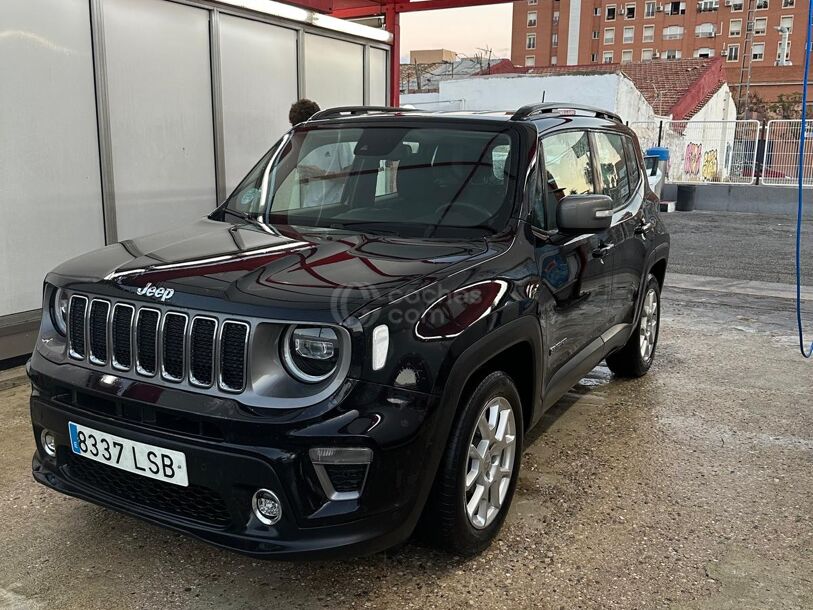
(531, 19)
(597, 12)
(673, 54)
(554, 40)
(649, 9)
(532, 2)
(707, 5)
(554, 60)
(787, 22)
(611, 13)
(530, 41)
(788, 3)
(733, 52)
(555, 16)
(595, 34)
(675, 8)
(630, 12)
(736, 6)
(705, 30)
(704, 53)
(594, 57)
(646, 54)
(609, 35)
(530, 60)
(735, 27)
(607, 57)
(779, 60)
(673, 32)
(758, 51)
(760, 26)
(629, 35)
(762, 5)
(649, 33)
(626, 56)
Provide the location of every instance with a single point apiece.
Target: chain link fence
(701, 152)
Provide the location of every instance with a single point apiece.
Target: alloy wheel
(490, 463)
(648, 327)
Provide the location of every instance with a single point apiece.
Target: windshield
(405, 180)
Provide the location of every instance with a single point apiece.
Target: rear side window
(613, 167)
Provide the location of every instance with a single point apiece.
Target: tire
(446, 522)
(635, 358)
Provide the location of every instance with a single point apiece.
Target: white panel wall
(378, 78)
(159, 86)
(50, 193)
(334, 71)
(259, 76)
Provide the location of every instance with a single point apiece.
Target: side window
(632, 162)
(612, 167)
(568, 167)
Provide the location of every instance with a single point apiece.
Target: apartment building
(580, 32)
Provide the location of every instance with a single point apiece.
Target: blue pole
(806, 353)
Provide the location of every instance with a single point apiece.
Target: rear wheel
(635, 358)
(477, 476)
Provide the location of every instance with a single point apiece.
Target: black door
(621, 178)
(575, 270)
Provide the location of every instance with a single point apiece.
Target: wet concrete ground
(690, 488)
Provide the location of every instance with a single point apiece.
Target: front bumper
(232, 452)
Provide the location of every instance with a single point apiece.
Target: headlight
(59, 311)
(311, 353)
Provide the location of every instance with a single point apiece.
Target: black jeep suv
(355, 343)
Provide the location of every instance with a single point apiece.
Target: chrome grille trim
(215, 351)
(130, 326)
(220, 382)
(93, 358)
(139, 369)
(163, 342)
(71, 352)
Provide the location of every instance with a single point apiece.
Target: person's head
(302, 110)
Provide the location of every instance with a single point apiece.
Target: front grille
(195, 503)
(196, 349)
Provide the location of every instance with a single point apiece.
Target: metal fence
(722, 152)
(780, 161)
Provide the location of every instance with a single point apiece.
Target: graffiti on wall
(692, 159)
(710, 165)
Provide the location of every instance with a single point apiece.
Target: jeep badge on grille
(164, 294)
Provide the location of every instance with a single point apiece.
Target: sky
(463, 30)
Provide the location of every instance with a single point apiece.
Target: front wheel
(635, 358)
(476, 479)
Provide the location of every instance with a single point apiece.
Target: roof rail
(530, 110)
(340, 111)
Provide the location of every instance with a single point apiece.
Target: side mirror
(584, 213)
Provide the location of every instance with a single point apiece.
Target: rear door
(573, 267)
(621, 178)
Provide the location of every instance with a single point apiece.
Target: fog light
(266, 506)
(48, 443)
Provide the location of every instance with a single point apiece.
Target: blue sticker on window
(248, 198)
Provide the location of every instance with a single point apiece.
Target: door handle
(603, 250)
(644, 228)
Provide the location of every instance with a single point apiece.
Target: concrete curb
(721, 284)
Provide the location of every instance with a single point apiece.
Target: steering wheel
(468, 210)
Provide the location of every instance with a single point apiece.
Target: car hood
(271, 272)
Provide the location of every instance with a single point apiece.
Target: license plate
(139, 458)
